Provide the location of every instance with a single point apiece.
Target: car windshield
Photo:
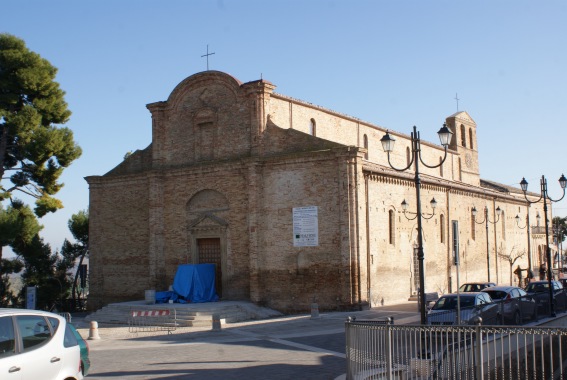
(471, 288)
(450, 303)
(537, 288)
(497, 294)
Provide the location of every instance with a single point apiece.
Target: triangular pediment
(463, 116)
(208, 220)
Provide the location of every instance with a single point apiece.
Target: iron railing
(387, 351)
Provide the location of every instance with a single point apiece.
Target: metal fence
(152, 320)
(382, 350)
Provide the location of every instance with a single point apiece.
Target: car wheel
(517, 319)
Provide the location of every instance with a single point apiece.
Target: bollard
(216, 322)
(314, 310)
(93, 331)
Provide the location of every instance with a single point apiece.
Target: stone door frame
(207, 232)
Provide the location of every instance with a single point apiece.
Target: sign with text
(31, 297)
(305, 227)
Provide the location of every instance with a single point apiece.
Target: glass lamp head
(387, 142)
(445, 135)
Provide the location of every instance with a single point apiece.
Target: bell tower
(464, 142)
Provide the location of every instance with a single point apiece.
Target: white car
(37, 345)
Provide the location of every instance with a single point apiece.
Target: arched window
(473, 225)
(408, 156)
(391, 226)
(312, 127)
(442, 228)
(470, 138)
(440, 167)
(463, 136)
(365, 139)
(460, 171)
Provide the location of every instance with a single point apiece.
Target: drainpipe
(368, 266)
(448, 236)
(496, 258)
(354, 166)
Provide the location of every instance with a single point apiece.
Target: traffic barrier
(152, 320)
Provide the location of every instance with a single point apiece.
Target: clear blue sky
(391, 63)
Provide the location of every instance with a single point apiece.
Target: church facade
(296, 204)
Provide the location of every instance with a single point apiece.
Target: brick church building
(295, 203)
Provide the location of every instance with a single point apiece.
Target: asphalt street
(292, 347)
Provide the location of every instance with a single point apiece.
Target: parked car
(475, 286)
(515, 304)
(37, 345)
(472, 305)
(540, 291)
(85, 360)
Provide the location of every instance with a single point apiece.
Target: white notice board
(305, 227)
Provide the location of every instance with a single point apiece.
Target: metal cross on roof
(456, 98)
(207, 55)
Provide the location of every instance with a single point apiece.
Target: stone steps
(182, 315)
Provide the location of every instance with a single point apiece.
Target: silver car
(514, 303)
(472, 305)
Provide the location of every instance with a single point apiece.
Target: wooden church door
(209, 252)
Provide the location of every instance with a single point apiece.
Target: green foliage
(12, 266)
(17, 224)
(7, 296)
(69, 254)
(79, 227)
(39, 264)
(32, 149)
(49, 272)
(560, 228)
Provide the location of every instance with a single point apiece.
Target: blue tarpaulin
(195, 283)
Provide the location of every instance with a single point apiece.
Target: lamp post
(388, 146)
(529, 243)
(545, 196)
(486, 221)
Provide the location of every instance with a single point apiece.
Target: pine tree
(34, 149)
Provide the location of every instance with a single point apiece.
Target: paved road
(296, 347)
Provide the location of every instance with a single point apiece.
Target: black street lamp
(545, 196)
(486, 221)
(388, 146)
(405, 205)
(528, 232)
